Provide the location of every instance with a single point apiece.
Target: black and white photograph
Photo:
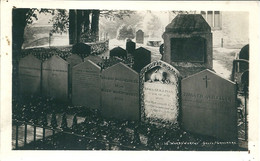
(96, 78)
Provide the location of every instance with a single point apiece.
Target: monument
(188, 44)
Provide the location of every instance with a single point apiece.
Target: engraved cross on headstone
(206, 79)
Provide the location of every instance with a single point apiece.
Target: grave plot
(120, 92)
(209, 106)
(30, 75)
(159, 87)
(86, 84)
(55, 78)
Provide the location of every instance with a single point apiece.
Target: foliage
(111, 25)
(154, 25)
(125, 32)
(60, 21)
(112, 14)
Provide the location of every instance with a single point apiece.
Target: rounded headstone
(244, 52)
(81, 49)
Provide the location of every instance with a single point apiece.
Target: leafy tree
(82, 30)
(111, 25)
(125, 32)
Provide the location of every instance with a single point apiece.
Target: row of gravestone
(141, 56)
(204, 102)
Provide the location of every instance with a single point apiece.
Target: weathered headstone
(72, 60)
(94, 58)
(81, 49)
(55, 78)
(120, 92)
(159, 89)
(142, 57)
(140, 37)
(30, 75)
(130, 46)
(118, 51)
(209, 105)
(86, 84)
(188, 44)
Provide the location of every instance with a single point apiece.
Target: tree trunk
(72, 27)
(95, 24)
(79, 25)
(86, 21)
(19, 23)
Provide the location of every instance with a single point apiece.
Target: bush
(125, 32)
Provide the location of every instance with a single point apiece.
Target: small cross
(206, 79)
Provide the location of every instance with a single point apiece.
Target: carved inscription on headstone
(30, 75)
(55, 78)
(159, 93)
(120, 92)
(209, 105)
(86, 84)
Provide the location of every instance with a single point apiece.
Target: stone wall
(235, 30)
(43, 53)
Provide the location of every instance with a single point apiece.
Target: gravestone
(140, 37)
(159, 87)
(94, 58)
(81, 49)
(244, 54)
(161, 48)
(209, 105)
(30, 75)
(72, 60)
(239, 67)
(130, 46)
(55, 78)
(86, 84)
(142, 57)
(120, 92)
(188, 44)
(118, 51)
